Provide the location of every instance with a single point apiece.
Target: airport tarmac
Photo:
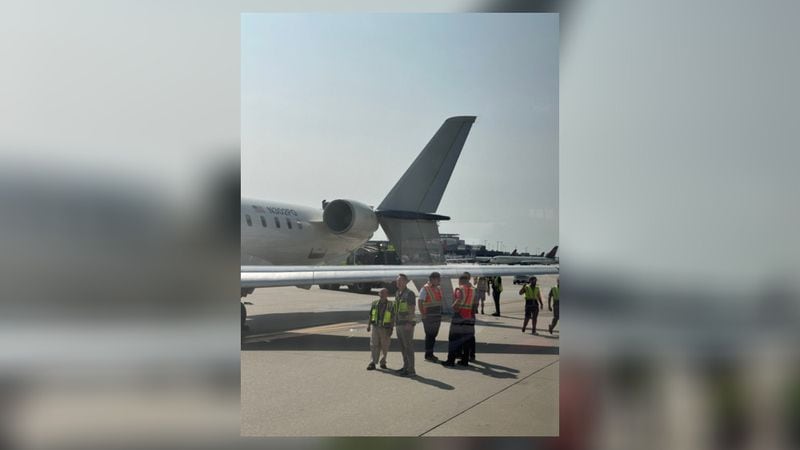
(303, 372)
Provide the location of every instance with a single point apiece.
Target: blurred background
(119, 191)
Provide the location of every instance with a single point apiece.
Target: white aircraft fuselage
(508, 259)
(274, 233)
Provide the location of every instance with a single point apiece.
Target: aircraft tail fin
(552, 253)
(421, 187)
(407, 214)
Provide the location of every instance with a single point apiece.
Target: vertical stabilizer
(421, 187)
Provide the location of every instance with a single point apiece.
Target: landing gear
(244, 318)
(360, 288)
(245, 293)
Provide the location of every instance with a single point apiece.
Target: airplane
(549, 258)
(291, 245)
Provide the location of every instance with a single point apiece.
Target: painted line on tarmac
(269, 337)
(487, 398)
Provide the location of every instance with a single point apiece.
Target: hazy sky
(339, 105)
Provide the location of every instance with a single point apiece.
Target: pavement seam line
(487, 398)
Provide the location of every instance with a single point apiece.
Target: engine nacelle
(351, 217)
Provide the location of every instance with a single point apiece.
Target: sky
(339, 105)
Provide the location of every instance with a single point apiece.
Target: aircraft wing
(274, 276)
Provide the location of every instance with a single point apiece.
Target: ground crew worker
(497, 288)
(404, 318)
(552, 304)
(471, 344)
(430, 307)
(533, 300)
(459, 329)
(482, 285)
(381, 321)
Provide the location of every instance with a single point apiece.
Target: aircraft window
(277, 222)
(288, 223)
(248, 220)
(299, 225)
(263, 222)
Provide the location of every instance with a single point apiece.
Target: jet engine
(351, 217)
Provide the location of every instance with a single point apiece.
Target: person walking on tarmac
(482, 285)
(552, 304)
(497, 288)
(533, 300)
(459, 329)
(430, 307)
(381, 321)
(404, 312)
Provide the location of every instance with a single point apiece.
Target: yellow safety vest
(554, 291)
(401, 310)
(498, 284)
(531, 293)
(387, 321)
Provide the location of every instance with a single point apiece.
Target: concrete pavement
(304, 360)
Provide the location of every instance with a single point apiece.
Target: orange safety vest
(464, 306)
(433, 300)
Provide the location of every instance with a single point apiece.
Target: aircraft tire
(360, 288)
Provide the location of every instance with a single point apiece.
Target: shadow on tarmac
(543, 332)
(498, 325)
(494, 366)
(488, 370)
(321, 342)
(421, 379)
(292, 321)
(510, 317)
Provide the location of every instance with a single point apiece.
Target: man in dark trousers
(463, 299)
(430, 307)
(497, 288)
(533, 300)
(552, 303)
